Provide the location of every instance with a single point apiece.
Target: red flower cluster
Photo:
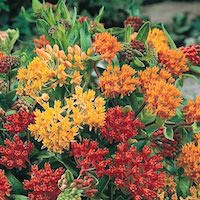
(164, 146)
(134, 22)
(4, 66)
(19, 122)
(41, 42)
(137, 172)
(191, 53)
(138, 45)
(90, 157)
(4, 186)
(15, 154)
(43, 183)
(6, 62)
(88, 183)
(120, 126)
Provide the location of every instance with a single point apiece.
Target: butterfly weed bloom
(90, 157)
(4, 186)
(158, 39)
(106, 45)
(163, 146)
(151, 74)
(15, 154)
(18, 122)
(43, 183)
(162, 99)
(191, 52)
(120, 126)
(52, 128)
(173, 61)
(41, 42)
(189, 159)
(192, 110)
(137, 172)
(134, 22)
(115, 81)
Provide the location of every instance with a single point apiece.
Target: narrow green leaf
(36, 6)
(195, 69)
(98, 17)
(19, 197)
(143, 32)
(138, 63)
(128, 32)
(85, 37)
(184, 185)
(170, 40)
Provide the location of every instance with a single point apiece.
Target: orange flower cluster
(115, 82)
(41, 42)
(158, 39)
(174, 61)
(151, 74)
(192, 110)
(106, 45)
(162, 98)
(189, 159)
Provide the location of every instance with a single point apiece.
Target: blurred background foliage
(18, 14)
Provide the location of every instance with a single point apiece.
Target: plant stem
(140, 109)
(150, 123)
(96, 70)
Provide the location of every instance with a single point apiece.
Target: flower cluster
(15, 154)
(158, 39)
(116, 81)
(18, 122)
(191, 52)
(173, 61)
(137, 172)
(41, 42)
(90, 157)
(6, 62)
(106, 45)
(152, 74)
(56, 127)
(4, 186)
(138, 45)
(134, 22)
(163, 146)
(189, 159)
(192, 110)
(120, 126)
(43, 183)
(162, 99)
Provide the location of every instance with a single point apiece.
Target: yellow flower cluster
(158, 39)
(151, 74)
(189, 159)
(162, 98)
(57, 126)
(115, 82)
(192, 110)
(36, 76)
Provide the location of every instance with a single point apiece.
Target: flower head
(41, 42)
(4, 186)
(120, 126)
(192, 110)
(173, 61)
(191, 52)
(134, 22)
(158, 39)
(15, 154)
(162, 99)
(18, 122)
(106, 45)
(115, 82)
(43, 183)
(137, 172)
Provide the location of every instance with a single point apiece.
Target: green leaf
(195, 128)
(98, 17)
(170, 40)
(37, 6)
(128, 32)
(195, 69)
(184, 185)
(45, 155)
(143, 32)
(85, 37)
(168, 133)
(17, 187)
(160, 121)
(138, 63)
(19, 197)
(69, 176)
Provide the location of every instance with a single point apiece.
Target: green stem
(140, 109)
